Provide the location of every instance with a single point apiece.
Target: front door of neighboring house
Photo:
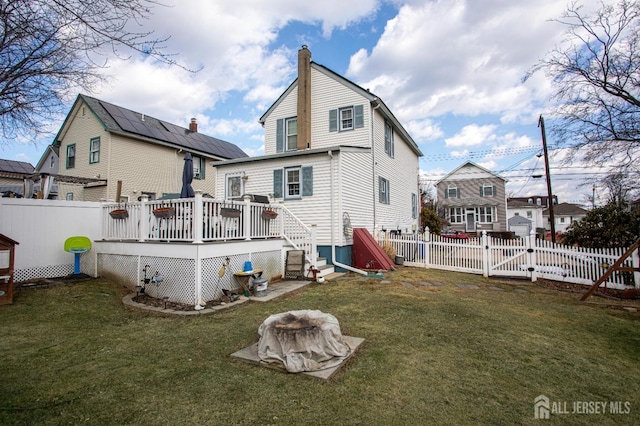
(471, 221)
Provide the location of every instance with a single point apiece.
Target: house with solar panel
(105, 143)
(12, 177)
(336, 157)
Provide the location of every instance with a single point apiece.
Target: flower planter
(164, 212)
(232, 213)
(119, 214)
(269, 214)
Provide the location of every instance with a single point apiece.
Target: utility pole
(552, 218)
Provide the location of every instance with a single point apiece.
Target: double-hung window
(452, 192)
(383, 190)
(388, 139)
(292, 182)
(71, 156)
(346, 119)
(487, 190)
(94, 150)
(291, 125)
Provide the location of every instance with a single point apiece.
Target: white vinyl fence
(529, 258)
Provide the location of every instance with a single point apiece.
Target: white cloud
(461, 57)
(472, 135)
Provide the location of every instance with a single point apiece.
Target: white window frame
(484, 214)
(487, 190)
(456, 215)
(71, 156)
(69, 196)
(346, 123)
(198, 165)
(455, 191)
(389, 139)
(237, 178)
(291, 138)
(94, 150)
(383, 192)
(529, 214)
(292, 188)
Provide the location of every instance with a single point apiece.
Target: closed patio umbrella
(187, 177)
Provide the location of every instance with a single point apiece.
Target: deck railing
(202, 219)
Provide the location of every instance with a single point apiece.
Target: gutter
(333, 245)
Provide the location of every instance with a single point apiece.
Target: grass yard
(74, 354)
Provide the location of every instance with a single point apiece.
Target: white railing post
(103, 218)
(427, 246)
(143, 224)
(531, 255)
(282, 224)
(198, 217)
(247, 217)
(313, 256)
(485, 254)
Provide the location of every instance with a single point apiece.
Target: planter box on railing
(164, 212)
(119, 214)
(232, 213)
(269, 214)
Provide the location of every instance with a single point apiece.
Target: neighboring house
(100, 144)
(529, 211)
(13, 175)
(336, 156)
(473, 199)
(520, 226)
(538, 200)
(565, 214)
(49, 165)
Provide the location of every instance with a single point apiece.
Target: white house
(564, 214)
(523, 209)
(336, 156)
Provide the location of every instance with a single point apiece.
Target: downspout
(333, 245)
(373, 168)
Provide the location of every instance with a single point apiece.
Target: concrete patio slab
(250, 355)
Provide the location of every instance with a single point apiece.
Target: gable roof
(15, 169)
(375, 101)
(566, 209)
(119, 120)
(474, 165)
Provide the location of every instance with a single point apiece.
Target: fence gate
(511, 258)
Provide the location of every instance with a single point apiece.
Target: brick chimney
(193, 126)
(304, 98)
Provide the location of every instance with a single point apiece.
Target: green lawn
(74, 354)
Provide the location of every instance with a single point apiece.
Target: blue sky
(450, 70)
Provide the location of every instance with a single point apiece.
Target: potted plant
(119, 213)
(269, 214)
(164, 212)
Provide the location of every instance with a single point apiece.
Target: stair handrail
(306, 240)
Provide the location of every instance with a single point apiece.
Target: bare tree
(596, 74)
(51, 48)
